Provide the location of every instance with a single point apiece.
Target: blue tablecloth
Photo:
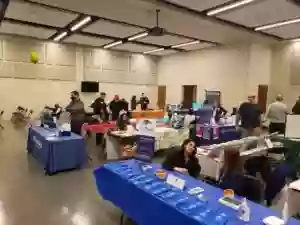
(140, 195)
(56, 153)
(208, 134)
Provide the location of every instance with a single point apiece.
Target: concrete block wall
(61, 68)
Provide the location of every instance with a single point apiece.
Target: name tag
(175, 181)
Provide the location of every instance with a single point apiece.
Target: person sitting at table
(234, 176)
(233, 165)
(183, 160)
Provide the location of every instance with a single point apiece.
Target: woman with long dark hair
(184, 160)
(233, 162)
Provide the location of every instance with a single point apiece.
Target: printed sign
(175, 181)
(146, 127)
(145, 145)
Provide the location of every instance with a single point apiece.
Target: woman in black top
(184, 160)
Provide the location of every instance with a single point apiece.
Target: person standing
(133, 103)
(144, 101)
(124, 105)
(100, 108)
(115, 108)
(77, 112)
(296, 107)
(276, 114)
(218, 111)
(249, 114)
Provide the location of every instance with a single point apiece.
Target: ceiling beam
(33, 24)
(112, 20)
(202, 14)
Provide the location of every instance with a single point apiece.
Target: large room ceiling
(126, 24)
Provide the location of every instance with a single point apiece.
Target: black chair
(278, 180)
(243, 185)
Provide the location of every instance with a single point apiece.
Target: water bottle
(56, 126)
(244, 211)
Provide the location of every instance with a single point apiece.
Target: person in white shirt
(276, 115)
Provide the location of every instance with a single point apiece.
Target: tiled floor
(28, 197)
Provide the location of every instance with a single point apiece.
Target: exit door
(161, 97)
(189, 93)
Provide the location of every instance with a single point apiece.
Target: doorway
(161, 96)
(262, 96)
(189, 95)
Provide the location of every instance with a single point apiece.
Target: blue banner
(145, 145)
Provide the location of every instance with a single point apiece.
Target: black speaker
(3, 7)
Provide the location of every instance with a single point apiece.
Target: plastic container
(244, 211)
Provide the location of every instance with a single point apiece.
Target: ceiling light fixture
(60, 36)
(112, 44)
(279, 24)
(81, 23)
(228, 7)
(185, 44)
(141, 35)
(154, 50)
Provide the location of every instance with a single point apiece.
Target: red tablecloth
(98, 128)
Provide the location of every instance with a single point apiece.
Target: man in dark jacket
(133, 103)
(249, 114)
(124, 105)
(100, 108)
(144, 101)
(115, 107)
(296, 107)
(76, 110)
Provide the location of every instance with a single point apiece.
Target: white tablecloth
(165, 137)
(291, 194)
